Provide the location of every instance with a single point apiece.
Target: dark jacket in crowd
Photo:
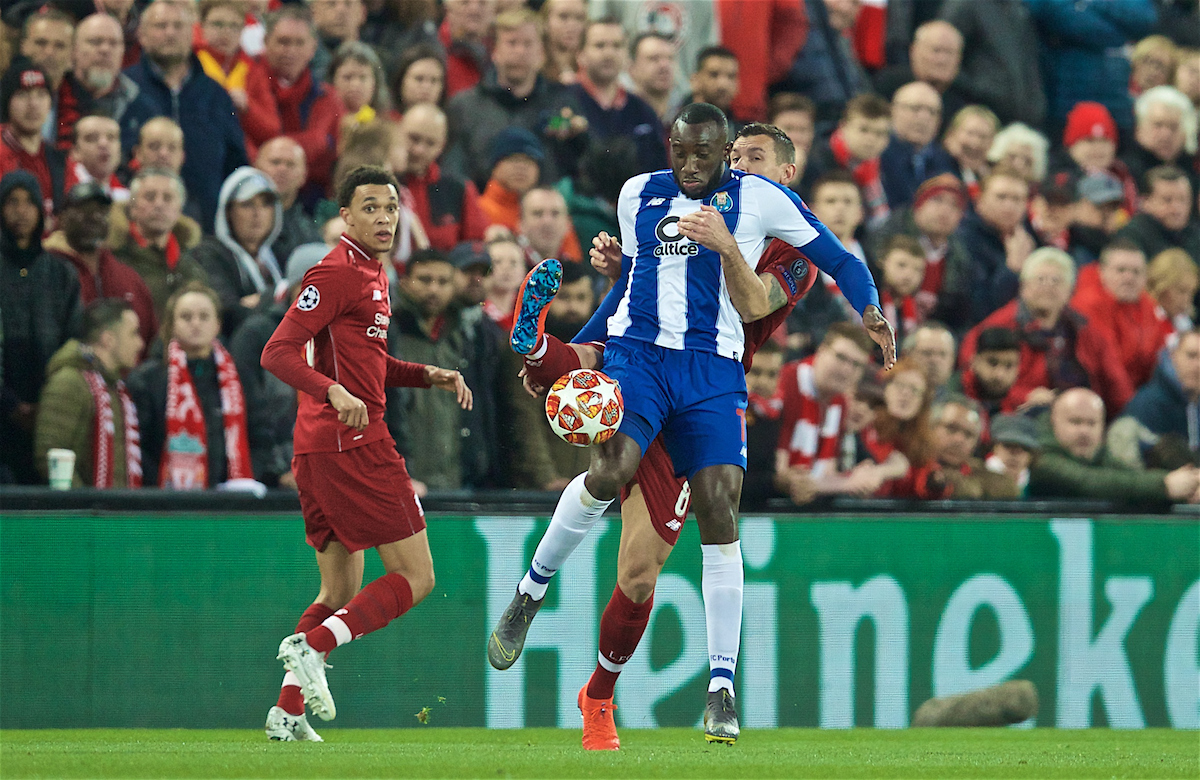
(270, 402)
(213, 143)
(1000, 59)
(124, 103)
(632, 118)
(298, 228)
(446, 447)
(40, 309)
(448, 207)
(478, 114)
(150, 262)
(147, 387)
(1057, 473)
(1152, 236)
(990, 283)
(1138, 160)
(1162, 407)
(903, 168)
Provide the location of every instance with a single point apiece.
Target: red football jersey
(343, 307)
(795, 275)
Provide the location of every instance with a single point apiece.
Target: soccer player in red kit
(655, 503)
(355, 492)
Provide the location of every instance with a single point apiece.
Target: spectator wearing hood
(25, 105)
(84, 222)
(39, 302)
(241, 266)
(173, 81)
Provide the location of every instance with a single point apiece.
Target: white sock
(576, 513)
(339, 629)
(721, 584)
(289, 678)
(540, 349)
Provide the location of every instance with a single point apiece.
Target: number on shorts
(685, 498)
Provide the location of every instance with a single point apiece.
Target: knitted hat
(1089, 120)
(516, 140)
(21, 74)
(943, 182)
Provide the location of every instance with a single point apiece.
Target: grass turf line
(551, 753)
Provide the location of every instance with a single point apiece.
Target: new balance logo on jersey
(673, 243)
(656, 201)
(377, 295)
(674, 525)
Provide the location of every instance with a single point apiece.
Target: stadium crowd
(1021, 175)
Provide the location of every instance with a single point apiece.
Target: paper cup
(61, 467)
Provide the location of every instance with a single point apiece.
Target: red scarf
(813, 442)
(866, 176)
(905, 315)
(171, 250)
(104, 432)
(185, 454)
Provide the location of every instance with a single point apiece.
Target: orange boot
(599, 728)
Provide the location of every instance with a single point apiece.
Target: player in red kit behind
(355, 492)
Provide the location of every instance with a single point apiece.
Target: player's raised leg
(533, 300)
(582, 503)
(640, 559)
(716, 492)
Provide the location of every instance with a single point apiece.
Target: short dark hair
(361, 176)
(1160, 173)
(713, 51)
(422, 256)
(784, 102)
(296, 11)
(702, 114)
(997, 340)
(769, 347)
(102, 315)
(955, 399)
(853, 333)
(1121, 244)
(637, 41)
(903, 243)
(833, 176)
(869, 105)
(785, 150)
(604, 21)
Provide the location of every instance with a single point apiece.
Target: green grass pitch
(550, 753)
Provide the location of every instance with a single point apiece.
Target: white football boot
(309, 667)
(282, 727)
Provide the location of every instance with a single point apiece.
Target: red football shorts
(667, 496)
(362, 497)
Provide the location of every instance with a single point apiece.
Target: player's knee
(422, 584)
(637, 581)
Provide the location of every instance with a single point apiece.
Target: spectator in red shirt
(447, 205)
(1059, 349)
(286, 98)
(464, 35)
(765, 35)
(993, 371)
(24, 107)
(1112, 295)
(95, 155)
(84, 218)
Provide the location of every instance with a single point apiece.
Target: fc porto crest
(722, 202)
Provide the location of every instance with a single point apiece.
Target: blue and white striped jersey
(676, 295)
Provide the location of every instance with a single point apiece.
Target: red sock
(621, 628)
(290, 698)
(557, 360)
(376, 605)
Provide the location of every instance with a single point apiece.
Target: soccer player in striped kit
(783, 276)
(355, 492)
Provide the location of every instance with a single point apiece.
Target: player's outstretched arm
(750, 294)
(881, 333)
(450, 381)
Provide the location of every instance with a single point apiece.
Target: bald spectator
(911, 156)
(1112, 295)
(1000, 58)
(826, 70)
(46, 42)
(171, 78)
(159, 145)
(546, 229)
(335, 22)
(96, 85)
(957, 425)
(1165, 409)
(610, 110)
(934, 58)
(1164, 219)
(287, 98)
(1164, 134)
(716, 80)
(152, 236)
(997, 241)
(282, 159)
(653, 64)
(95, 155)
(464, 35)
(447, 205)
(24, 106)
(1076, 464)
(1059, 348)
(515, 94)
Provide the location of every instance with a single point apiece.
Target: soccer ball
(584, 407)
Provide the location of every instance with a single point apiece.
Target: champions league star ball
(585, 407)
